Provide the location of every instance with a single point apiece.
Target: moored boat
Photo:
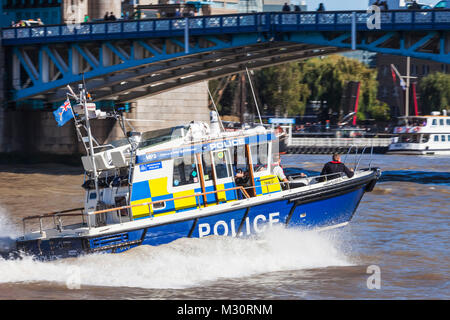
(422, 135)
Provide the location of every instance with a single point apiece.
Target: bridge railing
(147, 27)
(254, 22)
(337, 19)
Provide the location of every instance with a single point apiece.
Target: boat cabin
(422, 135)
(170, 170)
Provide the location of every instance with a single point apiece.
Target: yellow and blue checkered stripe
(156, 189)
(267, 184)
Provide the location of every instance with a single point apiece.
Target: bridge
(128, 60)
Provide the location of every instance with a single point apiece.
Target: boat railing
(56, 216)
(357, 160)
(58, 224)
(314, 177)
(360, 157)
(149, 204)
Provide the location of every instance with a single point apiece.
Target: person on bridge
(286, 7)
(112, 17)
(414, 5)
(335, 166)
(321, 7)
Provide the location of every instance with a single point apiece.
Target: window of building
(425, 69)
(395, 91)
(385, 70)
(184, 171)
(413, 69)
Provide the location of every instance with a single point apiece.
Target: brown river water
(401, 229)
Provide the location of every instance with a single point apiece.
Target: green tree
(434, 92)
(286, 89)
(327, 78)
(279, 88)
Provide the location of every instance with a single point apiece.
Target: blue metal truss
(125, 55)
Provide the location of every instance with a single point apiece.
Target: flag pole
(88, 127)
(254, 96)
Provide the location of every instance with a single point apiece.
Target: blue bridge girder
(129, 60)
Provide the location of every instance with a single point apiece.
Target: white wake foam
(186, 262)
(7, 227)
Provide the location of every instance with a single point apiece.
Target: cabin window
(434, 123)
(442, 138)
(436, 138)
(441, 122)
(207, 166)
(220, 162)
(184, 171)
(260, 157)
(239, 160)
(425, 138)
(408, 138)
(448, 122)
(92, 195)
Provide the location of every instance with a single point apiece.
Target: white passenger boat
(422, 135)
(154, 187)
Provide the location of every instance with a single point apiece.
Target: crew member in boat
(278, 169)
(335, 166)
(241, 177)
(279, 172)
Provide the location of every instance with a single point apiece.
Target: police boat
(197, 180)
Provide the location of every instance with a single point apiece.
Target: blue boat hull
(328, 207)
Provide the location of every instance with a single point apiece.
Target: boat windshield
(154, 137)
(111, 145)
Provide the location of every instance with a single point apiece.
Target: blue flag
(63, 113)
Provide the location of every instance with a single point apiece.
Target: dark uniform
(335, 167)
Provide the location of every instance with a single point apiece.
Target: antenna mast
(254, 96)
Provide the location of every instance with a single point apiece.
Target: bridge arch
(129, 60)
